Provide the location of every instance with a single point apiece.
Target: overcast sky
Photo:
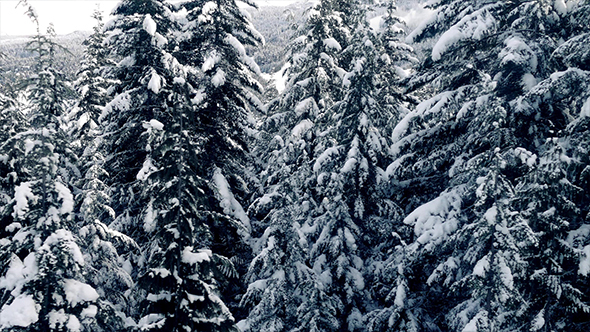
(66, 15)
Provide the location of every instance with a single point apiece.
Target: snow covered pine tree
(43, 288)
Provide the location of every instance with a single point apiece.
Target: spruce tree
(43, 285)
(137, 37)
(105, 249)
(182, 274)
(287, 148)
(225, 93)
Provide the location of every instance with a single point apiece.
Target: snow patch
(154, 124)
(560, 7)
(190, 257)
(149, 220)
(491, 215)
(327, 154)
(155, 83)
(301, 128)
(436, 219)
(481, 267)
(539, 321)
(147, 169)
(19, 272)
(218, 79)
(517, 51)
(526, 157)
(67, 199)
(209, 7)
(472, 26)
(22, 312)
(149, 25)
(585, 112)
(22, 195)
(400, 295)
(332, 43)
(227, 200)
(74, 324)
(584, 266)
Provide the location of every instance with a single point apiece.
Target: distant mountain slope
(273, 23)
(18, 61)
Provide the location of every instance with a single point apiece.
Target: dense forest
(429, 177)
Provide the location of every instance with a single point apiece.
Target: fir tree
(42, 278)
(212, 44)
(182, 276)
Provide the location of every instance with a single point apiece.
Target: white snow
(57, 319)
(64, 238)
(332, 43)
(491, 215)
(19, 272)
(155, 124)
(325, 156)
(585, 112)
(505, 273)
(149, 221)
(479, 321)
(67, 199)
(519, 52)
(210, 61)
(301, 128)
(584, 266)
(31, 144)
(526, 157)
(219, 78)
(357, 278)
(400, 295)
(147, 168)
(560, 7)
(22, 312)
(22, 195)
(436, 219)
(227, 201)
(528, 81)
(151, 321)
(121, 103)
(149, 25)
(78, 292)
(539, 321)
(305, 105)
(481, 267)
(155, 83)
(89, 311)
(190, 257)
(472, 26)
(349, 165)
(248, 61)
(209, 7)
(74, 324)
(376, 23)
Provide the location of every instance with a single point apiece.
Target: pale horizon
(67, 16)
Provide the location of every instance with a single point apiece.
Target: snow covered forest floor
(341, 165)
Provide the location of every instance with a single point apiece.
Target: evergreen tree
(223, 76)
(286, 150)
(44, 289)
(183, 274)
(549, 204)
(137, 36)
(355, 215)
(484, 58)
(91, 86)
(280, 282)
(108, 272)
